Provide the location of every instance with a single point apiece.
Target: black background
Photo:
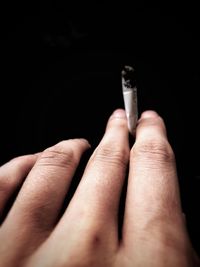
(60, 78)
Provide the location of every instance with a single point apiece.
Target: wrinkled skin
(153, 231)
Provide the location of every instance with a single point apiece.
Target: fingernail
(149, 114)
(118, 113)
(85, 141)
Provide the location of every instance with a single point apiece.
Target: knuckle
(22, 161)
(38, 214)
(164, 230)
(154, 149)
(112, 155)
(56, 156)
(91, 245)
(14, 172)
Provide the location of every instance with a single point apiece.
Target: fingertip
(117, 121)
(79, 141)
(118, 113)
(85, 142)
(150, 125)
(37, 154)
(149, 114)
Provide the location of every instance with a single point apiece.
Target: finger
(94, 207)
(39, 202)
(12, 175)
(153, 201)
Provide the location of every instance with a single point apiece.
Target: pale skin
(154, 232)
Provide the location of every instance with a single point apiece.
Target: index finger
(153, 199)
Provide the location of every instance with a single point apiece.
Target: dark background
(60, 78)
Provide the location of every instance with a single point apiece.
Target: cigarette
(129, 90)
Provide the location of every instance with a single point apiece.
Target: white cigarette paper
(129, 90)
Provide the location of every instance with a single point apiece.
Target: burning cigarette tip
(129, 77)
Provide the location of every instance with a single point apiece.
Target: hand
(153, 232)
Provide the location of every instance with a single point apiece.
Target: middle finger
(92, 212)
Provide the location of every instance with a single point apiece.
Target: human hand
(153, 232)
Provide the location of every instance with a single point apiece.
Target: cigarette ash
(129, 77)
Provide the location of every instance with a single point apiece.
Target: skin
(153, 230)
